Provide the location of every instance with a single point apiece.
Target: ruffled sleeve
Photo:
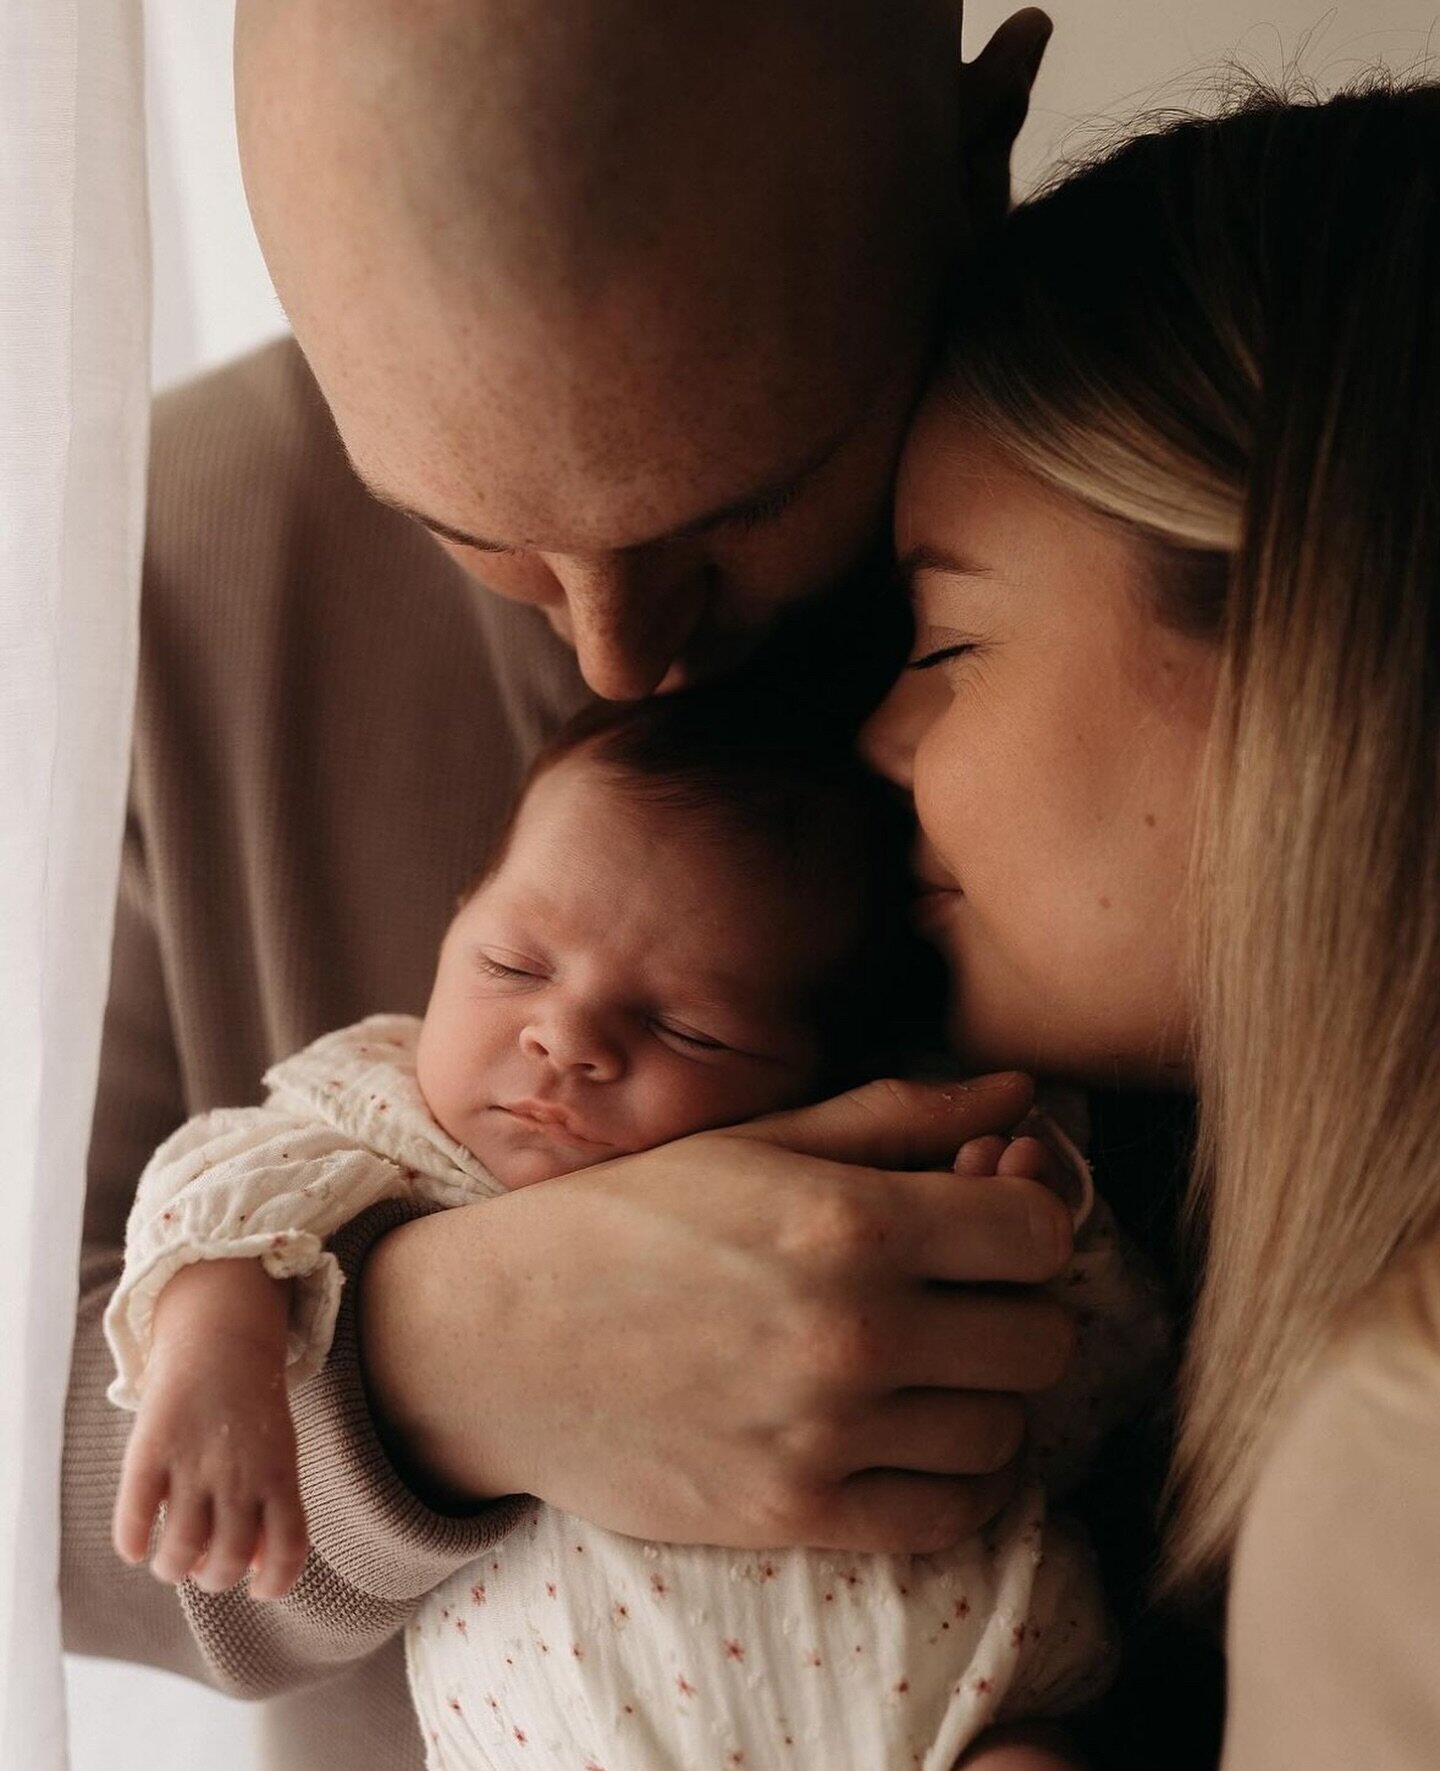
(245, 1183)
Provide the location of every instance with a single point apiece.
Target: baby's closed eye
(510, 966)
(686, 1038)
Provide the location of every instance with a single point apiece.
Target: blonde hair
(1226, 337)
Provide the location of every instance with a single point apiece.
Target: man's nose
(893, 732)
(574, 1042)
(632, 614)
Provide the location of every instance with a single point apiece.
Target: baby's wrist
(235, 1301)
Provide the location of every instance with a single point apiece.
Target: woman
(1171, 523)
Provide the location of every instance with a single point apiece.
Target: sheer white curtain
(74, 349)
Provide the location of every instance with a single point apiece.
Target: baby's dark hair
(740, 769)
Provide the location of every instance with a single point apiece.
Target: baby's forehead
(721, 883)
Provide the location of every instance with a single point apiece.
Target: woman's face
(1051, 729)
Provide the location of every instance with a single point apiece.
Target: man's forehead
(585, 300)
(761, 491)
(563, 471)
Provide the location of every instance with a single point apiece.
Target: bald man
(617, 310)
(626, 303)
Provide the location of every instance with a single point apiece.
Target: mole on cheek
(1150, 819)
(1104, 903)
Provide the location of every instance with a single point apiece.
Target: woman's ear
(994, 101)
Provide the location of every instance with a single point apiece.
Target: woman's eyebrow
(936, 559)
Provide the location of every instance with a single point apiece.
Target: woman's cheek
(940, 785)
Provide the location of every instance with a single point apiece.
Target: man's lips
(934, 901)
(927, 888)
(933, 879)
(553, 1121)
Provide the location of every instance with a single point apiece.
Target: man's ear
(995, 97)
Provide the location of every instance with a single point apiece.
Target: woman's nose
(632, 613)
(893, 732)
(574, 1043)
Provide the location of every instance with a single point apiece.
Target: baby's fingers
(1030, 1157)
(980, 1156)
(182, 1537)
(142, 1488)
(284, 1545)
(234, 1532)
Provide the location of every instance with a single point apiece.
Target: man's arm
(789, 1333)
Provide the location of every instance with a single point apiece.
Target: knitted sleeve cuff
(375, 1532)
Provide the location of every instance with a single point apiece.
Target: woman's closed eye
(934, 648)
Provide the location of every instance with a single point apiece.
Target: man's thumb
(893, 1124)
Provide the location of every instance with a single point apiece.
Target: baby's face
(620, 981)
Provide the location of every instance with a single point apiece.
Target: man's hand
(798, 1331)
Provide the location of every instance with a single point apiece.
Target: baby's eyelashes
(506, 968)
(688, 1039)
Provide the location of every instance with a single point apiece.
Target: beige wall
(1115, 58)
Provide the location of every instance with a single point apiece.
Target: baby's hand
(213, 1440)
(1026, 1156)
(1033, 1157)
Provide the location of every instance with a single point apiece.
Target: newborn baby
(688, 923)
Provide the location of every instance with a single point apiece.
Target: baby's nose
(574, 1044)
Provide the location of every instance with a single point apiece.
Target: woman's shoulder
(1336, 1581)
(1377, 1386)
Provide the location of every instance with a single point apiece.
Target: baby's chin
(524, 1165)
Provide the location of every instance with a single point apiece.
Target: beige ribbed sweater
(331, 723)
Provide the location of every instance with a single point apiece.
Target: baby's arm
(227, 1300)
(238, 1184)
(213, 1438)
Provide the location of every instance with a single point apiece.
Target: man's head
(692, 918)
(628, 302)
